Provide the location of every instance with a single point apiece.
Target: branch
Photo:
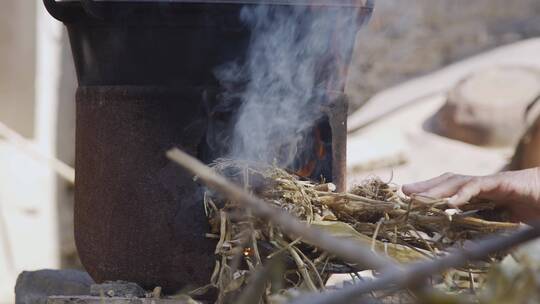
(348, 250)
(402, 278)
(61, 168)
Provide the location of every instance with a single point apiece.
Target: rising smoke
(295, 54)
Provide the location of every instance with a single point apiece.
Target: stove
(147, 83)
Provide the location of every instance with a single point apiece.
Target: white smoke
(295, 53)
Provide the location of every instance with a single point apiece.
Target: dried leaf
(400, 253)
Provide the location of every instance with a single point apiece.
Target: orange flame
(319, 153)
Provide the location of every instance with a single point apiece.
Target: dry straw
(373, 214)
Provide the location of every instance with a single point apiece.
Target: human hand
(519, 191)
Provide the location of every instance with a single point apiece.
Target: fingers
(475, 187)
(516, 190)
(460, 188)
(447, 188)
(425, 185)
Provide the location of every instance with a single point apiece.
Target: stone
(34, 287)
(115, 300)
(117, 289)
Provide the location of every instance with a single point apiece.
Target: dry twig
(295, 216)
(415, 273)
(345, 249)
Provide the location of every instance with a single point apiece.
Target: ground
(410, 38)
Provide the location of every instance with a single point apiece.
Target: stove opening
(313, 153)
(314, 159)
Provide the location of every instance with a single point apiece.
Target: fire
(306, 170)
(319, 145)
(319, 153)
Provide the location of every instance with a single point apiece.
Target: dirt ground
(408, 38)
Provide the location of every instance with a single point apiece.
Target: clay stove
(146, 84)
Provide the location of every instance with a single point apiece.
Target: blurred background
(435, 86)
